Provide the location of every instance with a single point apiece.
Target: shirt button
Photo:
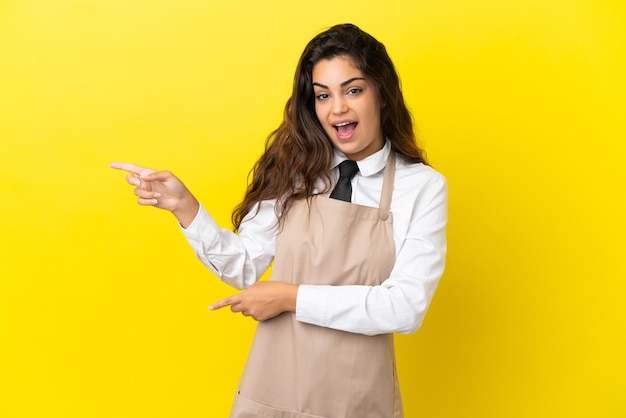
(384, 216)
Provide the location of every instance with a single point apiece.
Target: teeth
(342, 124)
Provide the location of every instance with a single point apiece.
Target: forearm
(368, 310)
(237, 259)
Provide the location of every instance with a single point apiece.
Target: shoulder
(412, 176)
(419, 187)
(420, 197)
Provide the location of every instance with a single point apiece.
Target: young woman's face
(347, 106)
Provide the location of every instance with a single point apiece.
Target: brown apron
(298, 370)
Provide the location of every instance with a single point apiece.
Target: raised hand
(161, 189)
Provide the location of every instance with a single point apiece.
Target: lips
(345, 130)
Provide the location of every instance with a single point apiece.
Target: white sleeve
(400, 302)
(237, 259)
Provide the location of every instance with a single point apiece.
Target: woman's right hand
(161, 189)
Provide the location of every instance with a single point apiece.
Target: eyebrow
(345, 83)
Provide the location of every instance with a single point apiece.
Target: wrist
(187, 210)
(292, 298)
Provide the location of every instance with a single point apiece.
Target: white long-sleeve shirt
(419, 207)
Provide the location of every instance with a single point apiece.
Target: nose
(339, 106)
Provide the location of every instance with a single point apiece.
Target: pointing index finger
(224, 302)
(132, 168)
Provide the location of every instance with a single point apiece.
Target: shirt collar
(369, 165)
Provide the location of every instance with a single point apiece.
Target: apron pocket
(247, 408)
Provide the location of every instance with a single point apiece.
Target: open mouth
(345, 128)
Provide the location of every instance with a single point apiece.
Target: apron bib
(298, 370)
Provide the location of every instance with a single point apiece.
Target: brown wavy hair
(299, 152)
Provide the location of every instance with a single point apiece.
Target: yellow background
(519, 103)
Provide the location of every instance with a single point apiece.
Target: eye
(321, 96)
(355, 91)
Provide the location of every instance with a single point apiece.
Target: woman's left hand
(262, 300)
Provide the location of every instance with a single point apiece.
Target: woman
(347, 273)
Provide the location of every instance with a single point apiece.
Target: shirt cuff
(312, 304)
(203, 228)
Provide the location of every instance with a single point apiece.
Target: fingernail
(211, 308)
(136, 182)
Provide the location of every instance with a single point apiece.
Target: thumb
(157, 176)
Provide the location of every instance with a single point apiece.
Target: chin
(352, 153)
(346, 148)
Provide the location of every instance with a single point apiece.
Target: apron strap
(390, 171)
